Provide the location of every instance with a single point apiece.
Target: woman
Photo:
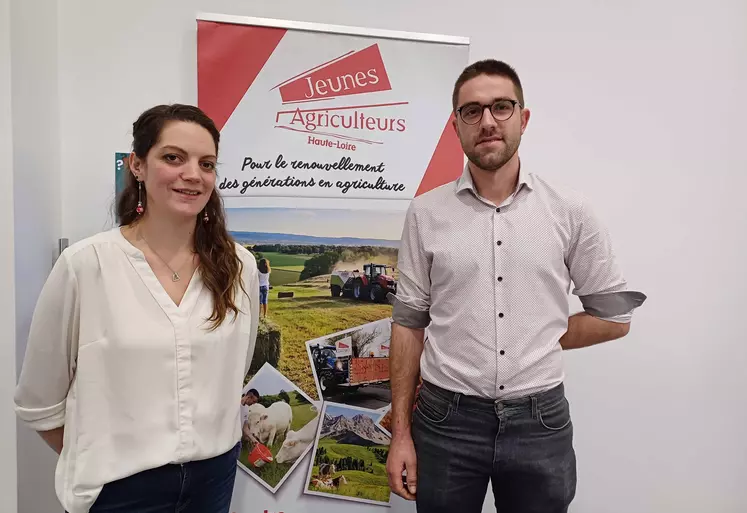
(264, 284)
(143, 334)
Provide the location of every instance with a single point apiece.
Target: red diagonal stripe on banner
(229, 58)
(447, 162)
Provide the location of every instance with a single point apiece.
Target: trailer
(337, 368)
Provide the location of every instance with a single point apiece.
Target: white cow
(267, 423)
(296, 442)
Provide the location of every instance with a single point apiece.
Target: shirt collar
(465, 181)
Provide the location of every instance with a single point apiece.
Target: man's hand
(585, 330)
(404, 369)
(402, 458)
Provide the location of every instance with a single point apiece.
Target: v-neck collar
(149, 278)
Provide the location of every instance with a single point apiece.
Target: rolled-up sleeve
(598, 280)
(412, 300)
(49, 361)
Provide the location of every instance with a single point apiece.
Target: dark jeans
(524, 447)
(195, 487)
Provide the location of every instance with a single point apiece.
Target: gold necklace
(174, 274)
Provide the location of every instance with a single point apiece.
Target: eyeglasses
(501, 110)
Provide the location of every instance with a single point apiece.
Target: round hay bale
(267, 348)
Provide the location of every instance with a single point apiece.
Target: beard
(493, 159)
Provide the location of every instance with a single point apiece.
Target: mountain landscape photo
(350, 456)
(358, 430)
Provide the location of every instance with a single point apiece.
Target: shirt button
(497, 209)
(499, 243)
(500, 315)
(500, 278)
(503, 352)
(501, 387)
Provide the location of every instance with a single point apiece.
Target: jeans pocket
(555, 417)
(431, 408)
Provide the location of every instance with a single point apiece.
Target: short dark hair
(254, 392)
(487, 67)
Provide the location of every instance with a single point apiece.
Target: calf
(326, 469)
(267, 423)
(296, 442)
(318, 483)
(291, 451)
(306, 433)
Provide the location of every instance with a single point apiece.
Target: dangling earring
(139, 208)
(205, 217)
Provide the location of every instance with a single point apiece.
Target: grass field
(285, 268)
(283, 276)
(285, 260)
(335, 450)
(313, 313)
(360, 484)
(272, 473)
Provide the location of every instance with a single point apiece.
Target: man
(249, 398)
(482, 315)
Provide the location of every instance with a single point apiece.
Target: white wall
(36, 187)
(641, 106)
(8, 472)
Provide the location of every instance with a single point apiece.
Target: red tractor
(372, 285)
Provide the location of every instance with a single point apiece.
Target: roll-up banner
(327, 133)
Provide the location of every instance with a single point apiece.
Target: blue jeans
(195, 487)
(263, 295)
(524, 447)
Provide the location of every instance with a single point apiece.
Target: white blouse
(137, 381)
(264, 279)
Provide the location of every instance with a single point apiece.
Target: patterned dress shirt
(490, 283)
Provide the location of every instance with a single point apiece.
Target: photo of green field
(350, 456)
(285, 268)
(306, 259)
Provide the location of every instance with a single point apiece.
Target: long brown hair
(220, 265)
(264, 266)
